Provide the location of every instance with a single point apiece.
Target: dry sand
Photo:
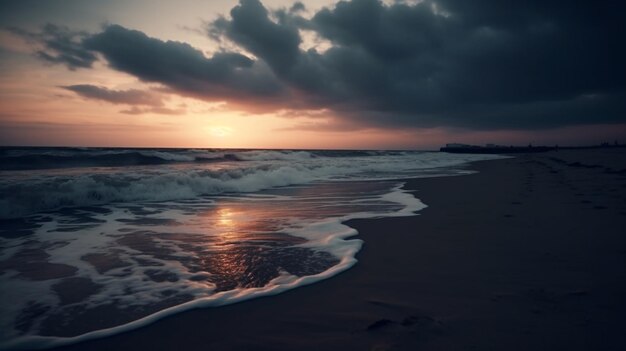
(528, 254)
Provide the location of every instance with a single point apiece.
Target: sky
(362, 74)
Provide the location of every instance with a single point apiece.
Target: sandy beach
(527, 254)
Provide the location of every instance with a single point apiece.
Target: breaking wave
(23, 193)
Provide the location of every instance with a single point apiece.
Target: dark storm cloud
(183, 68)
(482, 64)
(251, 28)
(60, 46)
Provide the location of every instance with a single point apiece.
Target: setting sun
(221, 131)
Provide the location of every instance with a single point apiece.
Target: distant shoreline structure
(501, 149)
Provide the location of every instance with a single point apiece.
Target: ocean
(96, 241)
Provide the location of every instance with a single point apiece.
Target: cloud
(59, 45)
(184, 69)
(128, 97)
(448, 63)
(156, 110)
(277, 44)
(141, 102)
(524, 65)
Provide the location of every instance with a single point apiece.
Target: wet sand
(527, 254)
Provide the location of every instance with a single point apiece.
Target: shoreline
(538, 262)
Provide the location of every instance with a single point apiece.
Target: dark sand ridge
(528, 254)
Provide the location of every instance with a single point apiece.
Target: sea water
(95, 241)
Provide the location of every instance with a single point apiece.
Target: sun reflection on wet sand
(225, 219)
(227, 226)
(246, 244)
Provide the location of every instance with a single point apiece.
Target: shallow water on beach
(113, 248)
